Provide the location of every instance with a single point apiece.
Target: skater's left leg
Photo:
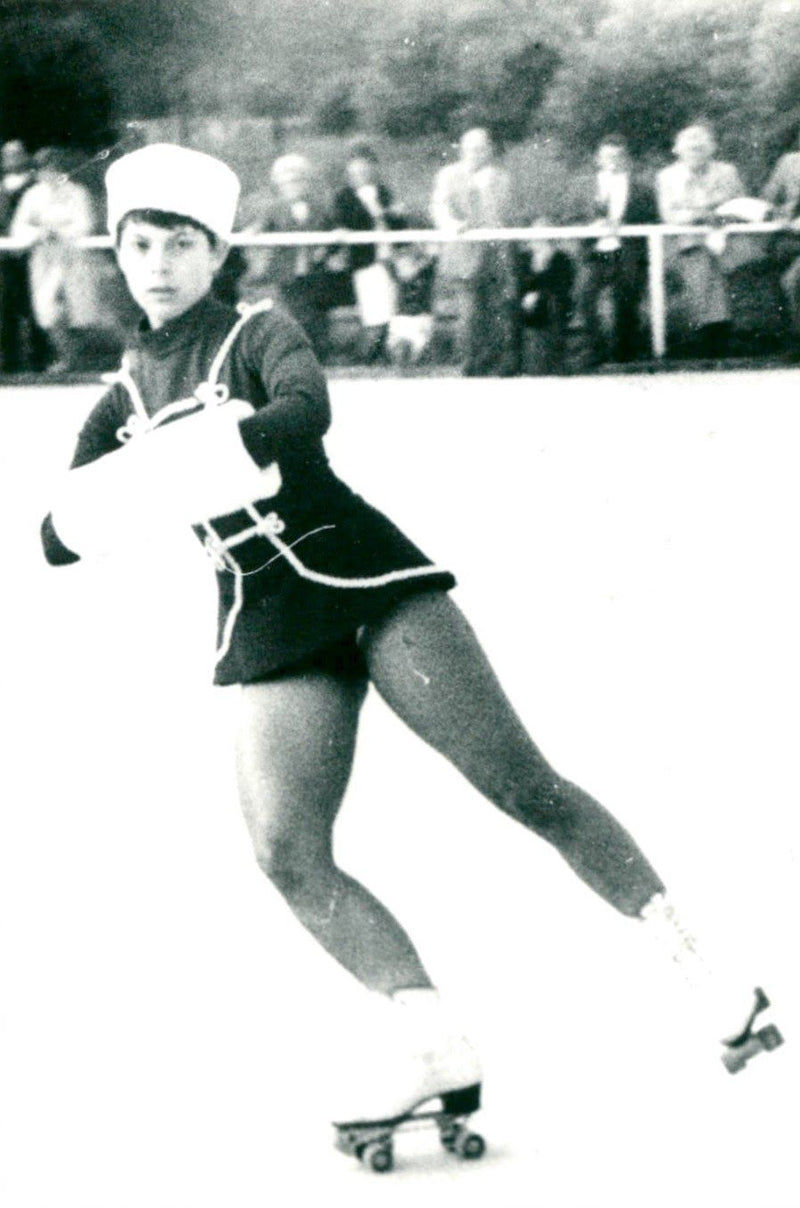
(427, 664)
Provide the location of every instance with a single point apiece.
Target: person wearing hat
(219, 418)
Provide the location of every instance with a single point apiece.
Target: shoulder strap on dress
(210, 391)
(139, 419)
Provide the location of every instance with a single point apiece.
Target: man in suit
(475, 192)
(614, 265)
(782, 191)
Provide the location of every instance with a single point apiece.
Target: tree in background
(470, 64)
(773, 76)
(558, 73)
(401, 67)
(650, 70)
(54, 83)
(70, 69)
(411, 88)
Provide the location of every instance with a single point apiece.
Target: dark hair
(613, 140)
(58, 158)
(167, 220)
(360, 150)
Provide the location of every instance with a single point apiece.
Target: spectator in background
(545, 275)
(21, 343)
(690, 191)
(411, 327)
(782, 192)
(365, 203)
(299, 276)
(52, 214)
(615, 267)
(476, 192)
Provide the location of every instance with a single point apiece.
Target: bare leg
(295, 748)
(426, 662)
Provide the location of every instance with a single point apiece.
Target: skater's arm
(298, 409)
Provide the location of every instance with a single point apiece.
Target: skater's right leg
(295, 744)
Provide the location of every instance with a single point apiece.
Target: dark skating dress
(297, 573)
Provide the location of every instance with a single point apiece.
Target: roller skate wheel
(378, 1156)
(448, 1135)
(470, 1145)
(734, 1061)
(770, 1037)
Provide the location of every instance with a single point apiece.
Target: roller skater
(217, 419)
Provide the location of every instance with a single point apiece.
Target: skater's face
(167, 270)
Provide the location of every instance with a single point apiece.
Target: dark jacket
(553, 284)
(641, 209)
(350, 212)
(329, 562)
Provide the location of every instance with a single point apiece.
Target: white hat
(176, 180)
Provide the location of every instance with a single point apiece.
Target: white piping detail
(270, 526)
(392, 576)
(246, 313)
(140, 420)
(262, 526)
(292, 544)
(232, 617)
(179, 407)
(209, 393)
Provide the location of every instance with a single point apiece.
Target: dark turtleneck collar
(180, 331)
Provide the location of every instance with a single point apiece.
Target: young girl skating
(217, 419)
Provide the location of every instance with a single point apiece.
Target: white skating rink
(627, 549)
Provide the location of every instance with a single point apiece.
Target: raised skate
(750, 1042)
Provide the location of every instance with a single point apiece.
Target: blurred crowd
(496, 307)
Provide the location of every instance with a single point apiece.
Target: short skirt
(316, 566)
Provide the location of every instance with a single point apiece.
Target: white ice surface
(627, 550)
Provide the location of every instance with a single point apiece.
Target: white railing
(655, 236)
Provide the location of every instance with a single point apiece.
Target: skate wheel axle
(378, 1156)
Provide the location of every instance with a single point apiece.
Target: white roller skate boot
(413, 1066)
(718, 996)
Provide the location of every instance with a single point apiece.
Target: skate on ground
(372, 1142)
(750, 1042)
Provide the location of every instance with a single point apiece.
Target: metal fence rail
(654, 235)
